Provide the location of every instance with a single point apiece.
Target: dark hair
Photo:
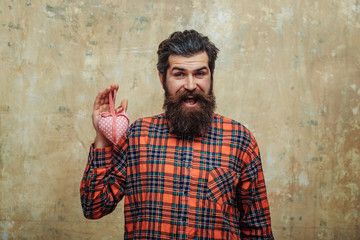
(186, 44)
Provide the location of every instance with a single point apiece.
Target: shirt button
(188, 166)
(186, 193)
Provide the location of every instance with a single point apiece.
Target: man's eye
(179, 74)
(200, 73)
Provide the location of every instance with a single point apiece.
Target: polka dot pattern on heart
(106, 126)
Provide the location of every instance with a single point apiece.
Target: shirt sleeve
(255, 222)
(104, 180)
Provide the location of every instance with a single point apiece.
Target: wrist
(101, 141)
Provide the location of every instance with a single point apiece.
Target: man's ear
(161, 77)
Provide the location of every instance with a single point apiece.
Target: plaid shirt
(209, 187)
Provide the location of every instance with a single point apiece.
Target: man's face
(189, 101)
(187, 73)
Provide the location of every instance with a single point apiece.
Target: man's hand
(101, 104)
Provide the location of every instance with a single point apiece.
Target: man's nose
(190, 83)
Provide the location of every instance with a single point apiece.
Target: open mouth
(190, 101)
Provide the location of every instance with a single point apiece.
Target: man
(187, 173)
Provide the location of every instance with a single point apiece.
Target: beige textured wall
(289, 70)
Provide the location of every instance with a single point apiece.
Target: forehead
(189, 63)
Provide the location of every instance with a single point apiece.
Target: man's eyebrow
(178, 68)
(183, 69)
(202, 68)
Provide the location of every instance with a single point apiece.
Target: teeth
(190, 101)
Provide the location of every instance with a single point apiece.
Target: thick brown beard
(185, 121)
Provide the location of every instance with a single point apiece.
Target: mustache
(196, 94)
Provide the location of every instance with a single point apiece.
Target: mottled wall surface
(289, 70)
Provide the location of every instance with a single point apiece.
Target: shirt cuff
(100, 157)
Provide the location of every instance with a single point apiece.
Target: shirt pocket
(221, 185)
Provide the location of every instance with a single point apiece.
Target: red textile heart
(113, 124)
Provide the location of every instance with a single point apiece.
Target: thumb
(124, 104)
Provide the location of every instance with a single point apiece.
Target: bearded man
(188, 173)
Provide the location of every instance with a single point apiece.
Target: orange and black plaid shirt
(209, 187)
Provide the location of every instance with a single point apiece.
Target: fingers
(98, 101)
(101, 103)
(103, 96)
(111, 88)
(124, 104)
(102, 99)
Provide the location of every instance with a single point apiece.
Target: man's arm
(255, 222)
(104, 180)
(103, 183)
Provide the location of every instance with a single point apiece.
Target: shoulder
(146, 123)
(151, 119)
(231, 125)
(241, 137)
